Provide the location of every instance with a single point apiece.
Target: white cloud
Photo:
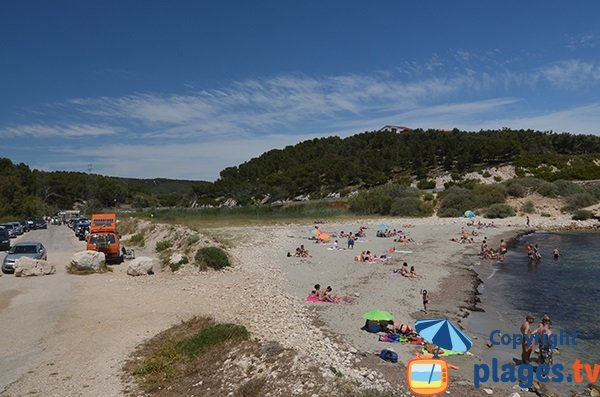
(59, 130)
(571, 74)
(177, 160)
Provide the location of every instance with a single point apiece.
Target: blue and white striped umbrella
(441, 332)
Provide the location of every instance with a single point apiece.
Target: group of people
(403, 271)
(300, 252)
(327, 295)
(491, 253)
(543, 332)
(533, 253)
(368, 256)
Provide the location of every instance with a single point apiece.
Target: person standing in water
(527, 343)
(556, 253)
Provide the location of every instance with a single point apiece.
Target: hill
(316, 168)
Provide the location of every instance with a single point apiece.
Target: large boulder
(141, 266)
(25, 267)
(87, 260)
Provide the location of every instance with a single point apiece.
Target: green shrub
(528, 207)
(137, 240)
(515, 189)
(176, 266)
(594, 190)
(485, 195)
(486, 174)
(406, 206)
(548, 189)
(378, 200)
(193, 239)
(579, 200)
(545, 215)
(163, 245)
(499, 211)
(212, 257)
(456, 176)
(498, 178)
(582, 215)
(428, 197)
(426, 184)
(568, 188)
(449, 213)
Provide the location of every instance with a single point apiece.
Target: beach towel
(404, 252)
(313, 298)
(446, 353)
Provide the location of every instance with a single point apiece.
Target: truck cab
(103, 237)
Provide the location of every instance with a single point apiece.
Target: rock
(175, 259)
(87, 260)
(141, 266)
(488, 391)
(32, 267)
(515, 395)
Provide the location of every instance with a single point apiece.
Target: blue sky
(183, 89)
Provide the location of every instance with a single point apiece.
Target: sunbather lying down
(395, 327)
(327, 295)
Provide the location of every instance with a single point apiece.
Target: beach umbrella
(314, 231)
(443, 333)
(383, 226)
(378, 315)
(469, 214)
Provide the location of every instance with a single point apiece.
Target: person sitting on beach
(412, 273)
(317, 291)
(330, 296)
(403, 270)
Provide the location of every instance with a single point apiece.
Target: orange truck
(104, 237)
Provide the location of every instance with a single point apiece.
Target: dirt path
(30, 308)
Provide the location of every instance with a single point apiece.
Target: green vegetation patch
(137, 240)
(213, 257)
(179, 351)
(163, 245)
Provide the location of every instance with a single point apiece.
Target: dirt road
(67, 335)
(30, 308)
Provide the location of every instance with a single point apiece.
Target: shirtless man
(545, 330)
(527, 345)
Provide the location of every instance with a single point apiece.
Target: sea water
(567, 289)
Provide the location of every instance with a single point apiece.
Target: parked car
(41, 224)
(31, 250)
(25, 226)
(81, 230)
(18, 228)
(4, 239)
(10, 228)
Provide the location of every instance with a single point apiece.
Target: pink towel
(313, 298)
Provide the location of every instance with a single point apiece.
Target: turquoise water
(567, 289)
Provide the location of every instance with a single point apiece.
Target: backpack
(389, 355)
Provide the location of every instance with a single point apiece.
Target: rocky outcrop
(141, 266)
(176, 259)
(25, 267)
(87, 261)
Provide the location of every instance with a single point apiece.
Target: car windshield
(110, 239)
(24, 249)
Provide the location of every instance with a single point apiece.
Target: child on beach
(425, 299)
